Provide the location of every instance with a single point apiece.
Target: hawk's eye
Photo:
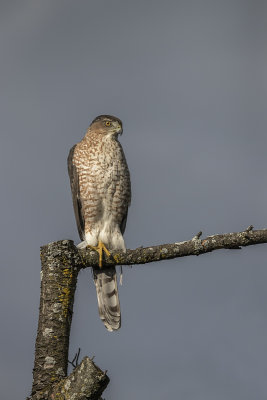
(108, 123)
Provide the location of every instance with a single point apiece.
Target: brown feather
(108, 297)
(75, 190)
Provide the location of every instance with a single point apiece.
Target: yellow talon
(100, 248)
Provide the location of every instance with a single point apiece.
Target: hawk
(101, 194)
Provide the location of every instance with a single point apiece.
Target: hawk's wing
(124, 218)
(123, 222)
(75, 190)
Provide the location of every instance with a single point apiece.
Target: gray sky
(188, 79)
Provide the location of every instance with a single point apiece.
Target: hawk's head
(107, 125)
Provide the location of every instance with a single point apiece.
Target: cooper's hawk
(101, 193)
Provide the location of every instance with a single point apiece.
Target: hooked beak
(120, 130)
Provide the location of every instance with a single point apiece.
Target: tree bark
(58, 284)
(61, 262)
(86, 381)
(60, 267)
(193, 247)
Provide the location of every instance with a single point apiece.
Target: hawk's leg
(100, 248)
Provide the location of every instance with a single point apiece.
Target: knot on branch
(198, 245)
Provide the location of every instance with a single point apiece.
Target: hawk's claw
(100, 248)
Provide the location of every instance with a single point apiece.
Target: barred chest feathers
(105, 188)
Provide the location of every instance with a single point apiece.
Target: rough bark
(61, 262)
(195, 246)
(60, 267)
(58, 284)
(86, 381)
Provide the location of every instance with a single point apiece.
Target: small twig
(197, 236)
(249, 228)
(75, 360)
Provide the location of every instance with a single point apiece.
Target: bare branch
(86, 381)
(61, 262)
(60, 267)
(195, 246)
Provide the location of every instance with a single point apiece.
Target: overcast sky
(188, 80)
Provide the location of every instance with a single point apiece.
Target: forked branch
(61, 262)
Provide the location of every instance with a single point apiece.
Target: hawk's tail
(108, 297)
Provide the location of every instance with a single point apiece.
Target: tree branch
(60, 267)
(195, 246)
(61, 262)
(86, 381)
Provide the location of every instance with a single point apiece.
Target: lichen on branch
(61, 262)
(195, 246)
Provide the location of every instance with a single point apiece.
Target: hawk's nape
(101, 194)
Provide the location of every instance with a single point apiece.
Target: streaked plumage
(101, 193)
